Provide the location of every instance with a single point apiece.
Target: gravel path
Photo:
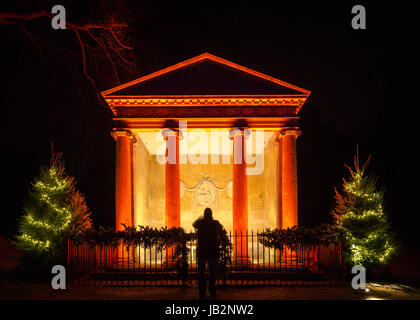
(33, 290)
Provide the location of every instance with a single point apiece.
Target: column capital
(294, 131)
(115, 133)
(169, 132)
(239, 132)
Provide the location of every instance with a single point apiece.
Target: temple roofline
(199, 58)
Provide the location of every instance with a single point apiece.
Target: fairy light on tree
(52, 210)
(360, 213)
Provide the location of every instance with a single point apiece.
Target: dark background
(364, 87)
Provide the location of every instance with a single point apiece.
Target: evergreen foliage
(53, 209)
(359, 212)
(299, 236)
(157, 238)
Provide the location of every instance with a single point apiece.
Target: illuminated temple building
(230, 136)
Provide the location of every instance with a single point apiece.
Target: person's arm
(219, 228)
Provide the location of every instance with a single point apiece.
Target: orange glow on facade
(273, 106)
(279, 100)
(199, 58)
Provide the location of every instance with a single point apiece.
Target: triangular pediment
(205, 74)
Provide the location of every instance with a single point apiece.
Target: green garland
(225, 249)
(160, 239)
(295, 236)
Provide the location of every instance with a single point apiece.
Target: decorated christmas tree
(52, 210)
(360, 213)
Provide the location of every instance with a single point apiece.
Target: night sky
(364, 87)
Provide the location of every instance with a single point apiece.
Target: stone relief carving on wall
(206, 192)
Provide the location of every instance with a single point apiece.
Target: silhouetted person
(208, 231)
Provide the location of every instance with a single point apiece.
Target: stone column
(172, 186)
(172, 178)
(289, 177)
(239, 197)
(277, 143)
(123, 173)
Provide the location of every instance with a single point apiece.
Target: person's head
(208, 213)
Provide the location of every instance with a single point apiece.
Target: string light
(361, 215)
(48, 226)
(39, 244)
(43, 224)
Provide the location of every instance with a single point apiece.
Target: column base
(123, 258)
(241, 262)
(169, 261)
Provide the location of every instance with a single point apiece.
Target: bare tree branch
(108, 40)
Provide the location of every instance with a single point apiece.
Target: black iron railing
(251, 264)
